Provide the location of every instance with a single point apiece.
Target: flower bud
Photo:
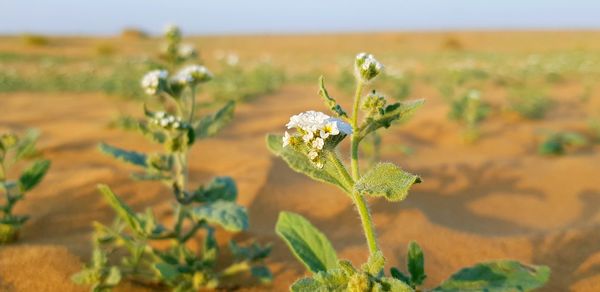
(367, 67)
(173, 33)
(373, 103)
(155, 81)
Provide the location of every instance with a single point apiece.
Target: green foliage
(308, 244)
(239, 83)
(312, 150)
(531, 103)
(211, 125)
(386, 180)
(469, 110)
(332, 172)
(159, 254)
(504, 275)
(558, 143)
(15, 150)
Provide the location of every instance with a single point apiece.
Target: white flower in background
(187, 51)
(367, 67)
(192, 75)
(314, 129)
(152, 81)
(172, 30)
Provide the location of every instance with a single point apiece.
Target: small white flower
(152, 80)
(367, 67)
(319, 164)
(286, 139)
(318, 143)
(164, 122)
(312, 155)
(308, 136)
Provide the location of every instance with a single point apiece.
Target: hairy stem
(359, 199)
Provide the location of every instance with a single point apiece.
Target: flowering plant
(312, 150)
(155, 253)
(14, 149)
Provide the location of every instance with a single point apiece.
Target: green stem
(359, 200)
(355, 137)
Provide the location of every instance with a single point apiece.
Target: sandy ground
(495, 199)
(492, 200)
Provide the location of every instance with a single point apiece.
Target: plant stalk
(359, 199)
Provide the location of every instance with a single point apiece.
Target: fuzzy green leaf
(388, 180)
(394, 285)
(229, 215)
(33, 175)
(394, 113)
(211, 125)
(299, 162)
(416, 264)
(220, 188)
(503, 275)
(307, 285)
(132, 157)
(308, 244)
(122, 210)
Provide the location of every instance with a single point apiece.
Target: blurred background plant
(15, 150)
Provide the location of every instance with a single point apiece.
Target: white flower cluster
(367, 67)
(192, 75)
(314, 128)
(151, 82)
(168, 121)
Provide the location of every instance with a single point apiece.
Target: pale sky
(104, 17)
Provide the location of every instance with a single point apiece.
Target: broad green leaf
(229, 215)
(387, 180)
(416, 264)
(503, 275)
(253, 252)
(211, 125)
(330, 101)
(308, 285)
(132, 157)
(123, 211)
(375, 263)
(33, 175)
(220, 188)
(394, 113)
(301, 163)
(167, 271)
(307, 243)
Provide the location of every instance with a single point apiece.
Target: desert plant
(557, 143)
(155, 253)
(529, 102)
(469, 111)
(175, 53)
(312, 150)
(14, 150)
